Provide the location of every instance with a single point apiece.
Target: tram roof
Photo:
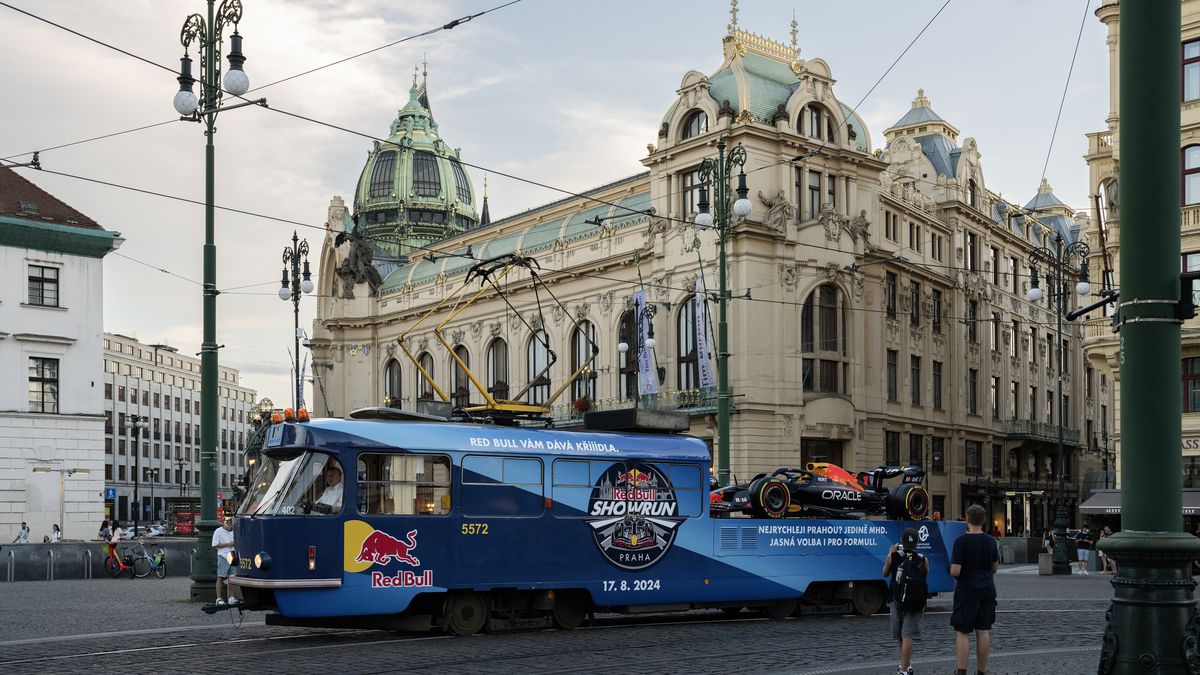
(491, 439)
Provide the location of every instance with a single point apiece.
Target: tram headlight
(232, 558)
(262, 561)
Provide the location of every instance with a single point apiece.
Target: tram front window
(309, 484)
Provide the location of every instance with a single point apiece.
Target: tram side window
(572, 487)
(501, 486)
(690, 490)
(403, 485)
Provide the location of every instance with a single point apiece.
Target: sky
(563, 92)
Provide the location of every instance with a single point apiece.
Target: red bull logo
(402, 579)
(381, 548)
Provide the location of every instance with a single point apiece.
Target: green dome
(413, 191)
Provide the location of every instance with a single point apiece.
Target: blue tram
(471, 526)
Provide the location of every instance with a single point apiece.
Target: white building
(162, 385)
(51, 320)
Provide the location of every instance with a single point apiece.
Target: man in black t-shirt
(972, 564)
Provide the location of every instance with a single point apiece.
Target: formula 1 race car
(822, 490)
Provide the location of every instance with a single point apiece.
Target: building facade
(51, 321)
(1103, 160)
(878, 310)
(158, 383)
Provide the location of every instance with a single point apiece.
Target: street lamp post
(1057, 260)
(137, 425)
(718, 172)
(300, 282)
(153, 475)
(207, 33)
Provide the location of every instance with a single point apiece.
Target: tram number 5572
(475, 528)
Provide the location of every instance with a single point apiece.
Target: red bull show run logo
(634, 515)
(377, 547)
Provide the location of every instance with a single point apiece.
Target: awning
(1108, 503)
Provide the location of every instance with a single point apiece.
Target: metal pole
(296, 313)
(205, 570)
(720, 189)
(1061, 564)
(1152, 622)
(137, 473)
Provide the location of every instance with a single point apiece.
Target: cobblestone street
(1045, 624)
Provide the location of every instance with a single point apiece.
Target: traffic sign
(110, 493)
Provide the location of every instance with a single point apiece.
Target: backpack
(911, 590)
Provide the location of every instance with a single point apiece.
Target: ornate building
(877, 313)
(1104, 160)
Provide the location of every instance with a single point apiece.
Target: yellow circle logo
(354, 533)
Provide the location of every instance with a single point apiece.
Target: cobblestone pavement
(1045, 625)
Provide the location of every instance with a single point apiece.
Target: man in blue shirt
(972, 564)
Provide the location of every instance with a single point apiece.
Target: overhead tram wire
(447, 26)
(1062, 101)
(853, 110)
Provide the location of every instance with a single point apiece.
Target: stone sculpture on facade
(357, 267)
(779, 210)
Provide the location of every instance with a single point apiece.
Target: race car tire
(908, 501)
(770, 497)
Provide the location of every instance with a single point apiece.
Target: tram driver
(330, 500)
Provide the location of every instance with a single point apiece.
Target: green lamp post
(207, 34)
(718, 172)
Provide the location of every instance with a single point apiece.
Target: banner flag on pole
(647, 375)
(703, 350)
(303, 370)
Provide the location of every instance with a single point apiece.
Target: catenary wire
(447, 26)
(1062, 101)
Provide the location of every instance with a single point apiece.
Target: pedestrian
(22, 534)
(1083, 545)
(222, 543)
(996, 531)
(972, 564)
(1048, 540)
(1109, 563)
(908, 570)
(105, 533)
(55, 535)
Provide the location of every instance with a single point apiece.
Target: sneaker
(220, 601)
(233, 601)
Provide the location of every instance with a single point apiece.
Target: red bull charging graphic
(367, 547)
(634, 515)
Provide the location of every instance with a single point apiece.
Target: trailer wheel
(570, 609)
(466, 613)
(868, 597)
(770, 497)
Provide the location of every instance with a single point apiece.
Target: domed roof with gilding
(413, 189)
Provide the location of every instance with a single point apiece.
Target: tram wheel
(570, 609)
(731, 610)
(466, 613)
(868, 598)
(780, 609)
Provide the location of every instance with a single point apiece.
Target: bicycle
(115, 565)
(143, 563)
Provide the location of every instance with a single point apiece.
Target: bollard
(87, 563)
(191, 562)
(50, 565)
(12, 566)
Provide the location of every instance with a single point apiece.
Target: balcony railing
(1101, 141)
(1098, 329)
(692, 401)
(1189, 216)
(1040, 431)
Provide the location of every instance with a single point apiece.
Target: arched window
(688, 368)
(1191, 175)
(425, 388)
(391, 384)
(816, 122)
(426, 178)
(583, 340)
(627, 382)
(497, 369)
(461, 184)
(972, 194)
(823, 341)
(537, 361)
(696, 124)
(382, 175)
(461, 394)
